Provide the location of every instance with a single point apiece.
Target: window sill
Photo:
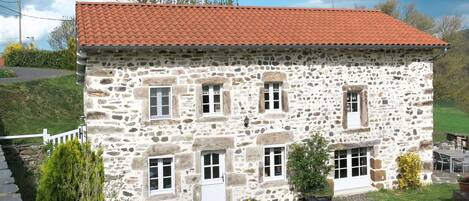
(270, 183)
(216, 118)
(274, 115)
(162, 195)
(357, 130)
(158, 122)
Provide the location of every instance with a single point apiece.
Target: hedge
(61, 59)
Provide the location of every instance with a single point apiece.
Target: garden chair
(440, 159)
(463, 162)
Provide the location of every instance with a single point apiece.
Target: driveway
(27, 74)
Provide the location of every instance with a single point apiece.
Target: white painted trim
(271, 97)
(272, 161)
(221, 165)
(211, 101)
(356, 116)
(160, 174)
(156, 117)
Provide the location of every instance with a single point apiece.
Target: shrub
(73, 172)
(4, 73)
(410, 167)
(40, 58)
(12, 47)
(308, 166)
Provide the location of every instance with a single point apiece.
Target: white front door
(213, 176)
(351, 169)
(353, 110)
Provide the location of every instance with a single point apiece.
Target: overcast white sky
(39, 29)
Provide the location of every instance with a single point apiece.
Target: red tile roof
(119, 24)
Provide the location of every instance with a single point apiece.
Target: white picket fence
(79, 133)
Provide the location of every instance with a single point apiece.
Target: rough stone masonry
(398, 84)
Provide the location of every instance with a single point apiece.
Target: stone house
(201, 102)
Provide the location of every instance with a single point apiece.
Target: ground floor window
(274, 162)
(350, 163)
(161, 175)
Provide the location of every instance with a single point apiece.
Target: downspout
(81, 64)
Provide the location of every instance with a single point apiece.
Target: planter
(464, 186)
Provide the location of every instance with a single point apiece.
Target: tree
(417, 19)
(308, 166)
(216, 2)
(59, 37)
(390, 7)
(448, 26)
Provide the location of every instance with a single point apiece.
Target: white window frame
(349, 164)
(272, 176)
(160, 175)
(271, 96)
(156, 117)
(211, 100)
(356, 123)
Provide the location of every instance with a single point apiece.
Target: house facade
(202, 102)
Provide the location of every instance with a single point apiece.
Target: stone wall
(399, 93)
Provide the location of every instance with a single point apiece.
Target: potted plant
(463, 183)
(308, 167)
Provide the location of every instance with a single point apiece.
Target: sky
(60, 9)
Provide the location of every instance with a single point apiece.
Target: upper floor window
(272, 96)
(161, 175)
(274, 163)
(212, 99)
(160, 102)
(353, 110)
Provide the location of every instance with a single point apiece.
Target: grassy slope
(448, 118)
(427, 193)
(27, 108)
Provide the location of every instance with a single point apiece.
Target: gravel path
(27, 74)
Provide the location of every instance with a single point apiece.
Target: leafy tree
(308, 166)
(417, 19)
(59, 37)
(390, 7)
(73, 172)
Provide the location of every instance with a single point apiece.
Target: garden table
(453, 154)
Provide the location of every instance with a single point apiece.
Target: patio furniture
(443, 154)
(463, 162)
(439, 159)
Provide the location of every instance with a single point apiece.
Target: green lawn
(27, 108)
(6, 73)
(434, 192)
(448, 118)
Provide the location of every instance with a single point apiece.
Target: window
(272, 96)
(160, 102)
(353, 110)
(161, 175)
(274, 163)
(351, 163)
(212, 99)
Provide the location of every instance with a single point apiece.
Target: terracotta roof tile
(119, 24)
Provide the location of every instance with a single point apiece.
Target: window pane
(354, 162)
(336, 163)
(354, 107)
(354, 97)
(336, 154)
(205, 89)
(267, 105)
(354, 152)
(276, 96)
(206, 109)
(348, 97)
(336, 174)
(267, 160)
(207, 173)
(363, 171)
(153, 111)
(276, 86)
(153, 101)
(217, 108)
(216, 172)
(167, 161)
(343, 163)
(276, 104)
(164, 91)
(267, 151)
(165, 100)
(277, 159)
(363, 151)
(267, 171)
(215, 158)
(166, 171)
(216, 98)
(363, 161)
(152, 92)
(207, 159)
(153, 162)
(277, 150)
(205, 99)
(278, 170)
(154, 184)
(266, 96)
(167, 182)
(266, 88)
(165, 110)
(343, 173)
(153, 172)
(216, 89)
(343, 153)
(355, 172)
(349, 109)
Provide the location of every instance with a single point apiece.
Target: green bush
(410, 167)
(40, 58)
(308, 166)
(4, 73)
(73, 172)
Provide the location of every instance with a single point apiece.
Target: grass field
(448, 118)
(27, 108)
(436, 192)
